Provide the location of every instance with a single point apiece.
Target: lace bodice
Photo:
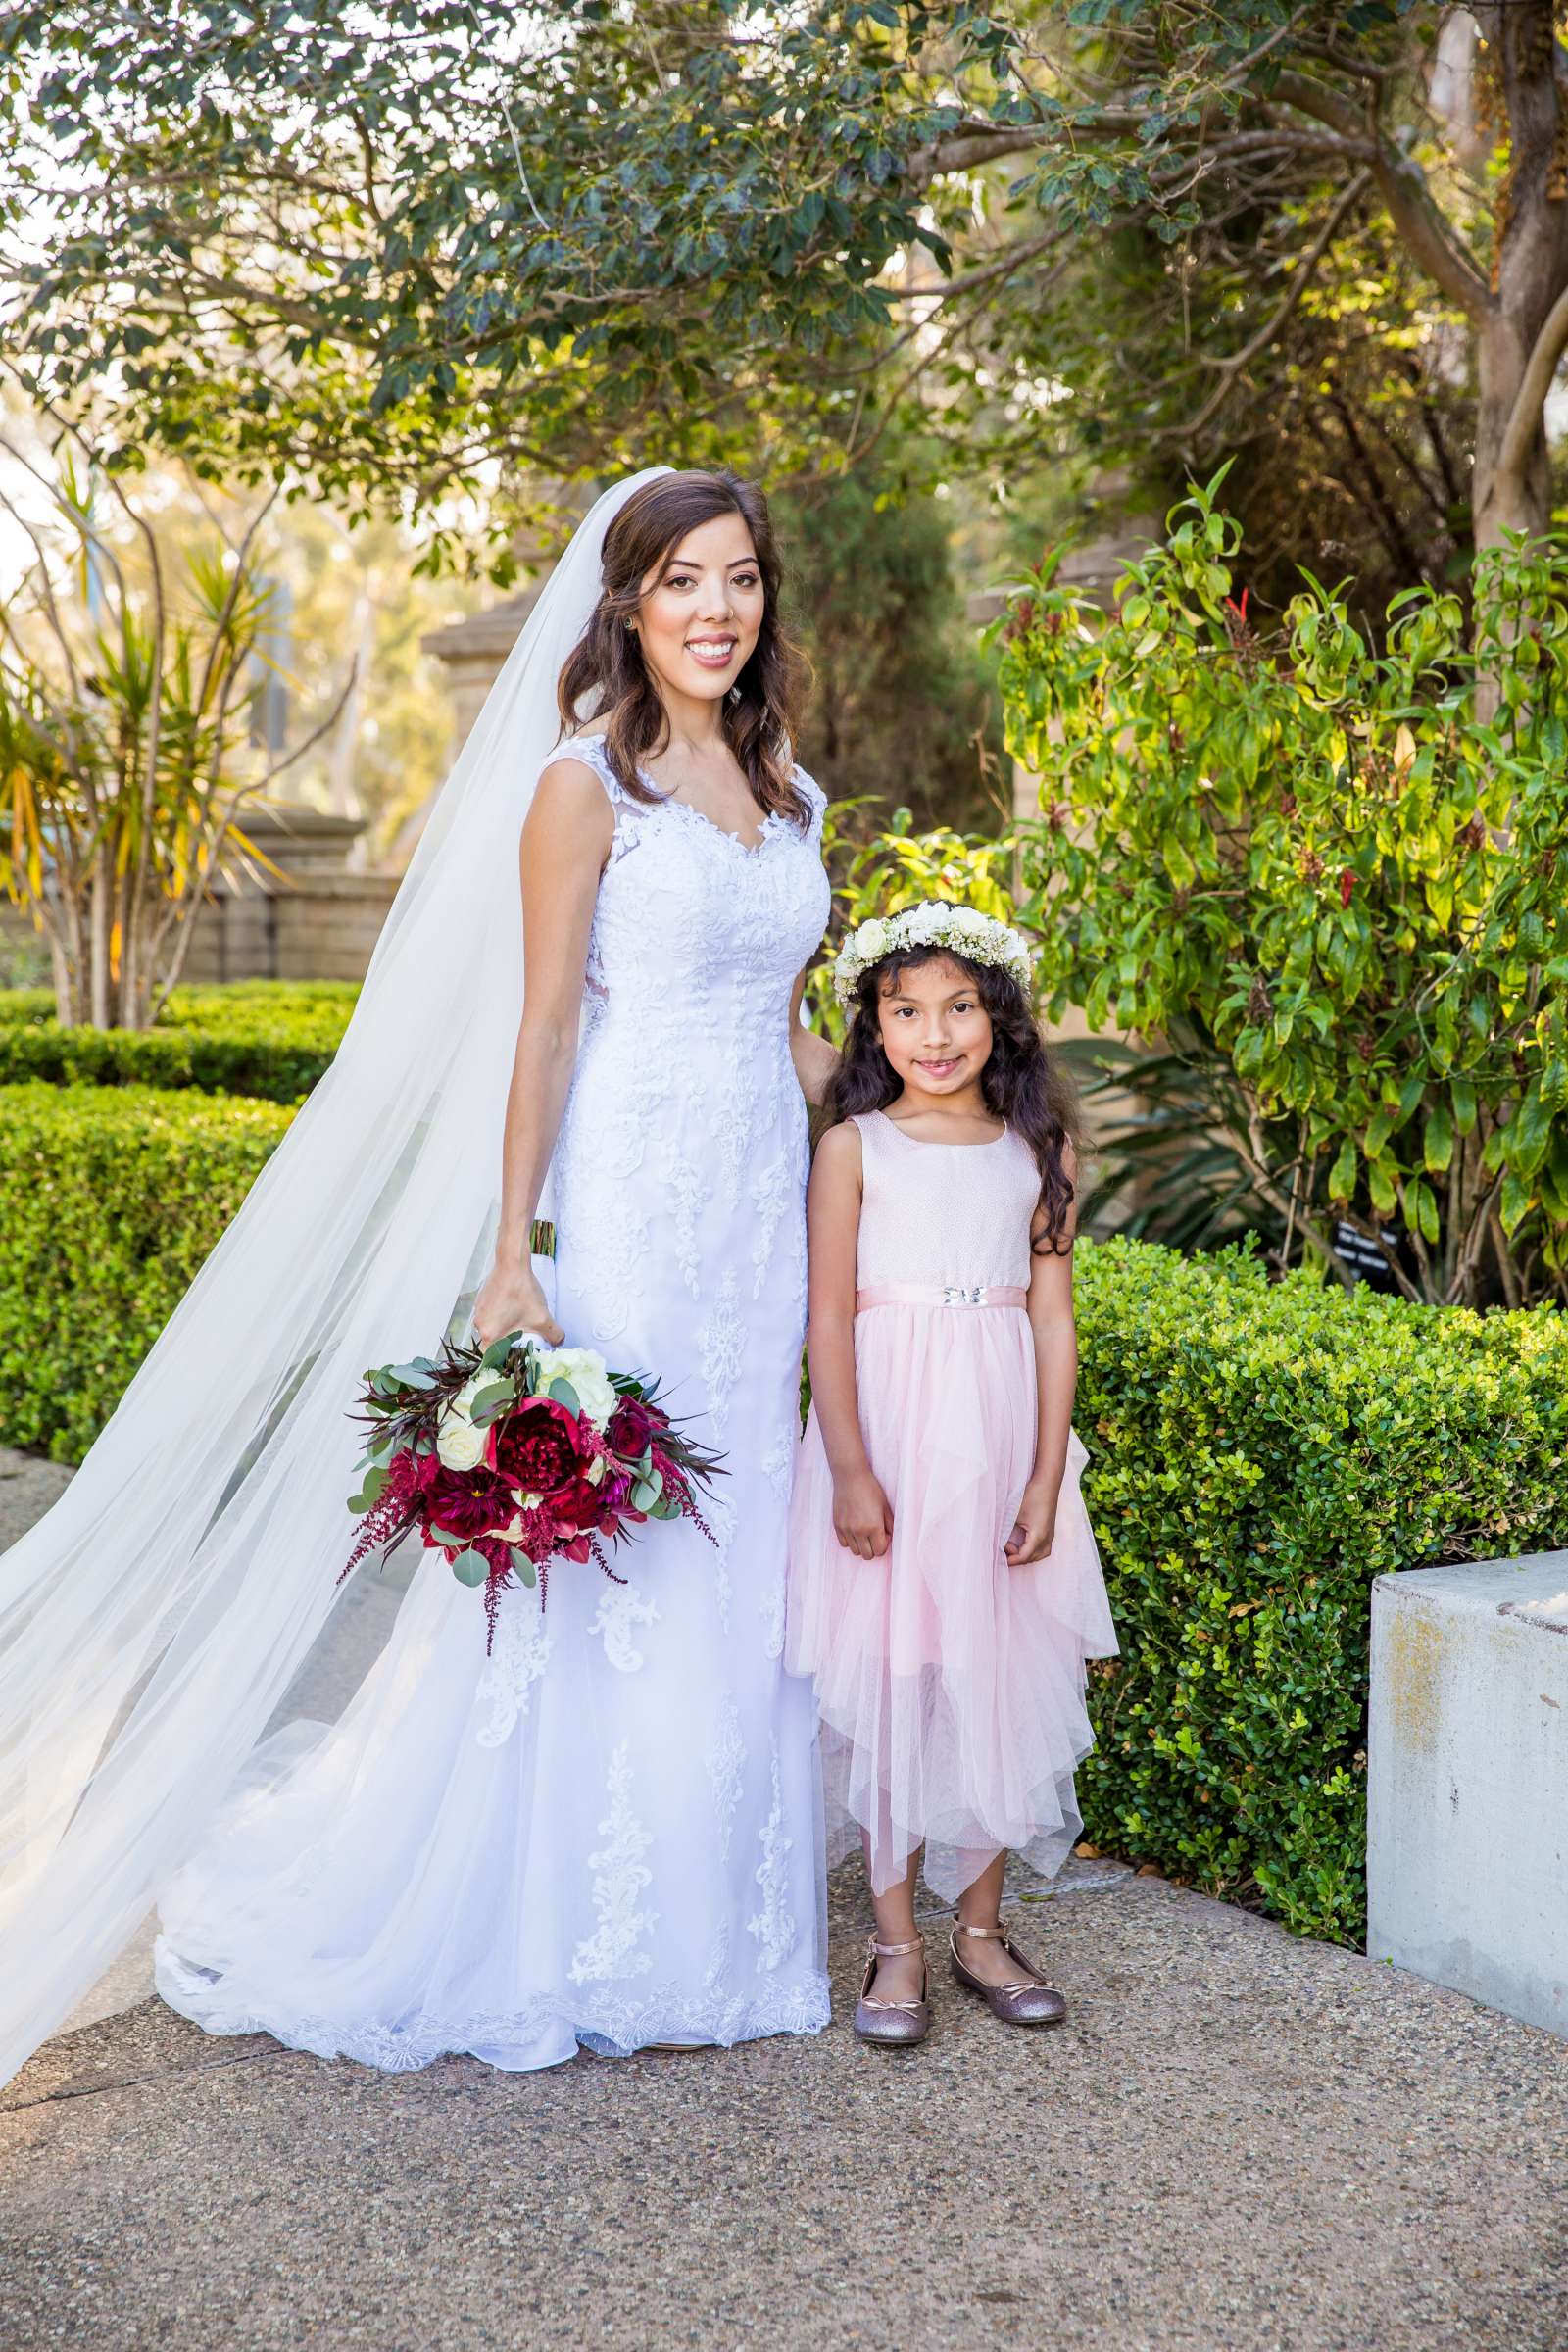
(692, 923)
(944, 1213)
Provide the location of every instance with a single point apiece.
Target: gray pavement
(1239, 2142)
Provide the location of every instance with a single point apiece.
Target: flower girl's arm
(565, 842)
(816, 1061)
(1055, 1336)
(861, 1519)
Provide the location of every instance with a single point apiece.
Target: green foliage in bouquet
(1333, 872)
(266, 1039)
(1258, 1453)
(110, 1200)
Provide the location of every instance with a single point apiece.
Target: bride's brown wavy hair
(761, 715)
(1020, 1083)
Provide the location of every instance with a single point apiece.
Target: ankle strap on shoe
(998, 1935)
(895, 1951)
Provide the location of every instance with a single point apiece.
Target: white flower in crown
(933, 923)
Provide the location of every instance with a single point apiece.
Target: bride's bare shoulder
(570, 809)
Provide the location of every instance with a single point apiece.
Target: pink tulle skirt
(950, 1685)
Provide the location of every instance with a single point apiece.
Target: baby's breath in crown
(933, 923)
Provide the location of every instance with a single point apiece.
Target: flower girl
(945, 1589)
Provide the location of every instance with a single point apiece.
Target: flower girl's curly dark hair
(1022, 1083)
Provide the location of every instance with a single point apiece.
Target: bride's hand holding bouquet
(512, 1298)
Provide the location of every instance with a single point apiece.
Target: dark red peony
(536, 1449)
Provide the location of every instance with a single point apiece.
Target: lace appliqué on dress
(518, 1656)
(724, 1760)
(771, 1191)
(619, 1877)
(722, 1340)
(622, 1610)
(774, 1924)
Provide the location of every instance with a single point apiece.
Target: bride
(607, 1832)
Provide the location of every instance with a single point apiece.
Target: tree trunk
(1511, 489)
(100, 920)
(1514, 497)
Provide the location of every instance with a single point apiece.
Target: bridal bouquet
(509, 1457)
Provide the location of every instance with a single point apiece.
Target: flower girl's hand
(861, 1518)
(511, 1299)
(1034, 1529)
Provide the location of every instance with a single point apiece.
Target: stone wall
(313, 920)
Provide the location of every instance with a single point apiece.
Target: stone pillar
(473, 652)
(1467, 1781)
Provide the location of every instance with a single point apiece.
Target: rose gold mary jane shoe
(891, 2025)
(1022, 2000)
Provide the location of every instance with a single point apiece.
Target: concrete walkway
(1239, 2142)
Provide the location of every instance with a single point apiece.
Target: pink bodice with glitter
(944, 1213)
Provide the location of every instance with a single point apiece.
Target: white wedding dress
(607, 1831)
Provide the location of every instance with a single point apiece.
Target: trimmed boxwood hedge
(1258, 1454)
(269, 1039)
(110, 1200)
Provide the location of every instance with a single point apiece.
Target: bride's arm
(565, 842)
(815, 1060)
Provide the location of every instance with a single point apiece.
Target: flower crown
(933, 923)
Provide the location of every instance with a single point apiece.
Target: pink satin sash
(936, 1294)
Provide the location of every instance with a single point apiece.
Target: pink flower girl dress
(950, 1684)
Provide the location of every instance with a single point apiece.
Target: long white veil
(150, 1624)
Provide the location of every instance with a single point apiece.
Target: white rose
(458, 1444)
(463, 1403)
(585, 1370)
(871, 940)
(972, 922)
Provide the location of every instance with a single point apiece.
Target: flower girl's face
(935, 1031)
(702, 611)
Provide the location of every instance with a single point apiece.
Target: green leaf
(1526, 1137)
(522, 1567)
(565, 1393)
(1518, 1195)
(1438, 1141)
(490, 1401)
(1342, 1176)
(370, 1493)
(470, 1568)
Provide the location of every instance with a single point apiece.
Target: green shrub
(1326, 876)
(261, 1038)
(110, 1200)
(1258, 1454)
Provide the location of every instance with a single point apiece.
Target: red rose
(538, 1450)
(633, 1426)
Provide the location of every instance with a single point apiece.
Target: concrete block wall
(1467, 1797)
